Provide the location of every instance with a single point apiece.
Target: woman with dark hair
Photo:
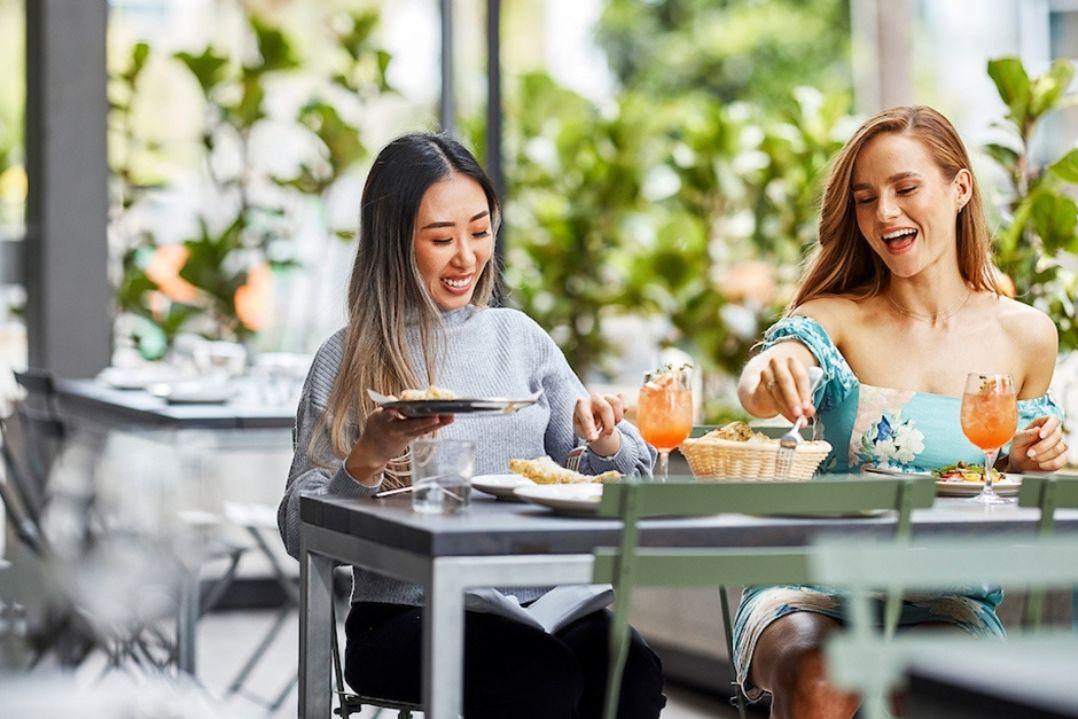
(899, 302)
(418, 315)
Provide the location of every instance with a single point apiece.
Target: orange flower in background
(254, 298)
(749, 280)
(164, 270)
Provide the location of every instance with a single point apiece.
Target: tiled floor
(225, 639)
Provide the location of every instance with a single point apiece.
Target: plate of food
(966, 480)
(501, 485)
(435, 400)
(558, 488)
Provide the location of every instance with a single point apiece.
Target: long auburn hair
(386, 294)
(843, 263)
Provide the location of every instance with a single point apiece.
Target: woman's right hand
(781, 386)
(386, 435)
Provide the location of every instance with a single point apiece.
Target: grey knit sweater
(487, 353)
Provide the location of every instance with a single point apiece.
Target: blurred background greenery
(680, 196)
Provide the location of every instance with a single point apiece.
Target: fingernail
(1044, 433)
(1031, 454)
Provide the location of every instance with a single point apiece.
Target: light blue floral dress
(867, 425)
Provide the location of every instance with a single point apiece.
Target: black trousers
(511, 670)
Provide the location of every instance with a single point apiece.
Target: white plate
(193, 393)
(1007, 485)
(571, 498)
(501, 485)
(137, 377)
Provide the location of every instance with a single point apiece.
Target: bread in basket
(736, 452)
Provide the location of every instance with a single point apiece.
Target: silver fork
(784, 459)
(572, 460)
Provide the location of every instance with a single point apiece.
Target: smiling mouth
(899, 241)
(457, 285)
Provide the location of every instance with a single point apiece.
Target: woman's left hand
(1039, 447)
(595, 418)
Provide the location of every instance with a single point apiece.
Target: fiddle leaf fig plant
(1039, 234)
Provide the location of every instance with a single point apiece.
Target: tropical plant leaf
(1054, 218)
(274, 48)
(1066, 167)
(1012, 83)
(1047, 89)
(207, 67)
(1006, 156)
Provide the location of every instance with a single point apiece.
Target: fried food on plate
(432, 392)
(544, 470)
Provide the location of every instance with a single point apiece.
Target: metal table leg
(443, 642)
(316, 595)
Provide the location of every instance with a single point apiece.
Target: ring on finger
(770, 384)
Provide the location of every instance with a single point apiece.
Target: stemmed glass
(989, 419)
(664, 413)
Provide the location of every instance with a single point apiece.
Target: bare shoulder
(1037, 339)
(834, 312)
(1030, 328)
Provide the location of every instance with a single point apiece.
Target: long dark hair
(385, 291)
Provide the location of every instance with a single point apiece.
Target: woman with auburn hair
(898, 303)
(418, 315)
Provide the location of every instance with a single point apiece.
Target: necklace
(936, 317)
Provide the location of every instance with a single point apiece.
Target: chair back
(35, 434)
(1047, 492)
(863, 660)
(630, 564)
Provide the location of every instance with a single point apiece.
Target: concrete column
(68, 317)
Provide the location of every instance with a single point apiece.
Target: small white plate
(570, 498)
(1006, 486)
(501, 485)
(193, 393)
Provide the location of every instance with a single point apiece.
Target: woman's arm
(615, 445)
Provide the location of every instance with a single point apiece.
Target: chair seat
(355, 703)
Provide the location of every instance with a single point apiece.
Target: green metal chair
(862, 659)
(629, 564)
(1048, 493)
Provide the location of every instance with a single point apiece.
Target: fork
(572, 460)
(784, 459)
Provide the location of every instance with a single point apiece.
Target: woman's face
(453, 240)
(905, 206)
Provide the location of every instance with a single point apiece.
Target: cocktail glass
(989, 419)
(664, 412)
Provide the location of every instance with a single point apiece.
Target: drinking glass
(664, 412)
(442, 474)
(989, 418)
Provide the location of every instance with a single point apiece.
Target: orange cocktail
(989, 418)
(664, 411)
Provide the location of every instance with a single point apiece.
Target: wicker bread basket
(753, 460)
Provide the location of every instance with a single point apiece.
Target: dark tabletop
(493, 527)
(93, 401)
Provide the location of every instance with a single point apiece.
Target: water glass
(442, 475)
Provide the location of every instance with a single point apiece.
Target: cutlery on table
(784, 459)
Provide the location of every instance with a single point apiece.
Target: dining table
(507, 544)
(94, 401)
(183, 437)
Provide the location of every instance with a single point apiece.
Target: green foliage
(731, 50)
(677, 207)
(1039, 230)
(234, 85)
